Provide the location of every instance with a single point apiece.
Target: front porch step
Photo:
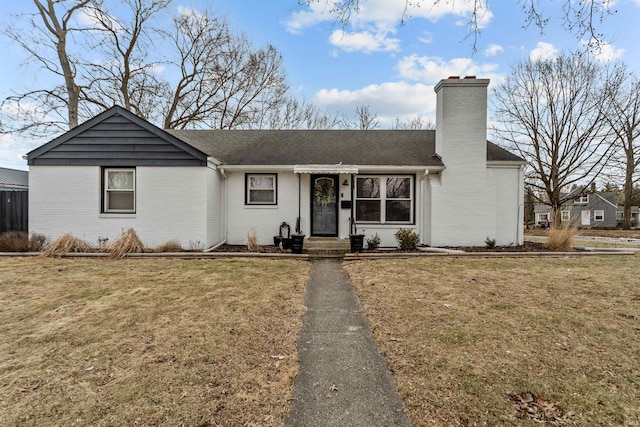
(329, 247)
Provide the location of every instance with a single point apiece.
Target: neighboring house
(204, 187)
(13, 180)
(635, 214)
(589, 210)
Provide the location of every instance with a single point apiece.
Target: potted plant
(297, 239)
(356, 239)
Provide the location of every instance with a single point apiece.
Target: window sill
(117, 215)
(261, 206)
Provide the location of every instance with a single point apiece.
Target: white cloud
(432, 69)
(544, 51)
(388, 100)
(427, 37)
(493, 50)
(387, 15)
(365, 41)
(602, 51)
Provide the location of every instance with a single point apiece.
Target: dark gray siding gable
(117, 138)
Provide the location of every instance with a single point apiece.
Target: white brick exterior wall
(171, 204)
(463, 198)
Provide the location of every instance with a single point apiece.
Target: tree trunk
(628, 189)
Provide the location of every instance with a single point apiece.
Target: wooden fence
(14, 211)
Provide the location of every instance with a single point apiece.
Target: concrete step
(324, 243)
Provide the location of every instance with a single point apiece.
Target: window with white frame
(582, 200)
(261, 189)
(598, 215)
(565, 215)
(119, 190)
(384, 199)
(620, 215)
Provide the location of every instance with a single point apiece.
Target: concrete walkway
(343, 379)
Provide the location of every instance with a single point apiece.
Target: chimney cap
(469, 77)
(454, 77)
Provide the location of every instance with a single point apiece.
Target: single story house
(204, 187)
(13, 180)
(590, 209)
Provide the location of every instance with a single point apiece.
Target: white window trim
(247, 196)
(582, 200)
(106, 191)
(383, 199)
(566, 217)
(598, 213)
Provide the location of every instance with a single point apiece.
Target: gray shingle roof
(14, 178)
(497, 153)
(305, 147)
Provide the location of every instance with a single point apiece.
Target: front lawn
(148, 342)
(509, 341)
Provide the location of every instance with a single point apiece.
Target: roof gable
(117, 137)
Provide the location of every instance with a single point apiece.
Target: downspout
(520, 214)
(224, 215)
(352, 220)
(298, 230)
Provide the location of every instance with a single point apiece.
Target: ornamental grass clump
(252, 241)
(127, 243)
(170, 246)
(66, 244)
(561, 239)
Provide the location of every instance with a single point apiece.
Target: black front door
(324, 205)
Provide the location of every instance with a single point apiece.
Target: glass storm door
(324, 205)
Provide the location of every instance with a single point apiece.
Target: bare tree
(414, 123)
(46, 42)
(582, 18)
(293, 113)
(551, 113)
(126, 75)
(364, 119)
(623, 116)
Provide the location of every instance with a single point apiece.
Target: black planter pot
(297, 241)
(286, 243)
(276, 240)
(357, 242)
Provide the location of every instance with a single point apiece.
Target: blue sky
(377, 60)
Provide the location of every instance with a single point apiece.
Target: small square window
(261, 189)
(598, 215)
(119, 190)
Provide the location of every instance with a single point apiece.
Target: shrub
(407, 239)
(170, 246)
(64, 245)
(37, 242)
(561, 239)
(127, 243)
(490, 243)
(14, 241)
(373, 242)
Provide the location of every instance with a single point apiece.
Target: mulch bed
(527, 247)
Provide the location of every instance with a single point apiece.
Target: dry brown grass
(464, 337)
(127, 243)
(170, 246)
(561, 239)
(66, 244)
(148, 342)
(630, 234)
